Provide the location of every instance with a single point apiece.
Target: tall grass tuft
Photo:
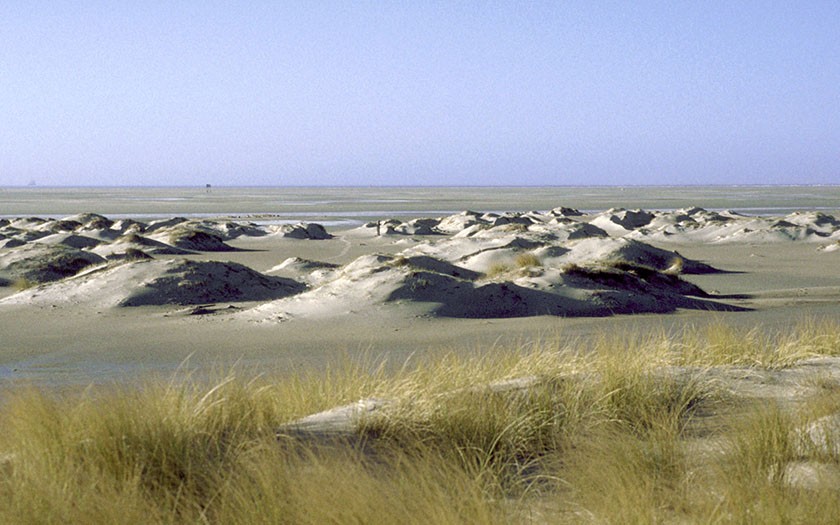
(599, 432)
(527, 260)
(160, 448)
(722, 344)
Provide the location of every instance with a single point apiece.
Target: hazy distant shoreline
(322, 203)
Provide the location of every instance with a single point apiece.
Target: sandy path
(347, 245)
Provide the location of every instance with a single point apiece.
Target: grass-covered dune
(634, 428)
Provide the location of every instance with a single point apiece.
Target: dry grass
(498, 270)
(523, 264)
(601, 434)
(527, 260)
(399, 261)
(22, 283)
(675, 266)
(722, 344)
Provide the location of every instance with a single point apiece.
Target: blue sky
(415, 93)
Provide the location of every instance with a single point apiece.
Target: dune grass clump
(22, 283)
(497, 270)
(514, 432)
(523, 264)
(399, 261)
(675, 266)
(631, 428)
(767, 474)
(465, 439)
(272, 485)
(513, 227)
(751, 473)
(528, 264)
(722, 344)
(134, 254)
(164, 450)
(527, 260)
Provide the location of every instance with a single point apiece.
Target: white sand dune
(190, 239)
(456, 223)
(70, 239)
(305, 269)
(161, 282)
(10, 242)
(126, 226)
(311, 231)
(451, 290)
(164, 224)
(413, 227)
(41, 263)
(698, 225)
(25, 235)
(134, 241)
(27, 223)
(632, 251)
(469, 265)
(226, 230)
(834, 247)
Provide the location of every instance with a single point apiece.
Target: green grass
(626, 429)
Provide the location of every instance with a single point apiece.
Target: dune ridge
(562, 262)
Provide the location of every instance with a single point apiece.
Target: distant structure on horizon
(207, 187)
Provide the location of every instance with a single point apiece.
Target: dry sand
(116, 296)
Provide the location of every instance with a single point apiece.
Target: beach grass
(628, 428)
(527, 260)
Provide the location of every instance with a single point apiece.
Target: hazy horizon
(385, 186)
(300, 94)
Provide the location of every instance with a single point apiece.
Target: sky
(419, 93)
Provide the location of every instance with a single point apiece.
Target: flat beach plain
(66, 343)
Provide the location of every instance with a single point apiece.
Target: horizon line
(617, 186)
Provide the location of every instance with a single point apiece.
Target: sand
(224, 278)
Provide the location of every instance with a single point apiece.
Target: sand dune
(193, 240)
(135, 241)
(70, 239)
(37, 263)
(301, 231)
(685, 225)
(160, 282)
(468, 265)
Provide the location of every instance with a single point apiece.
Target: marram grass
(722, 344)
(604, 432)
